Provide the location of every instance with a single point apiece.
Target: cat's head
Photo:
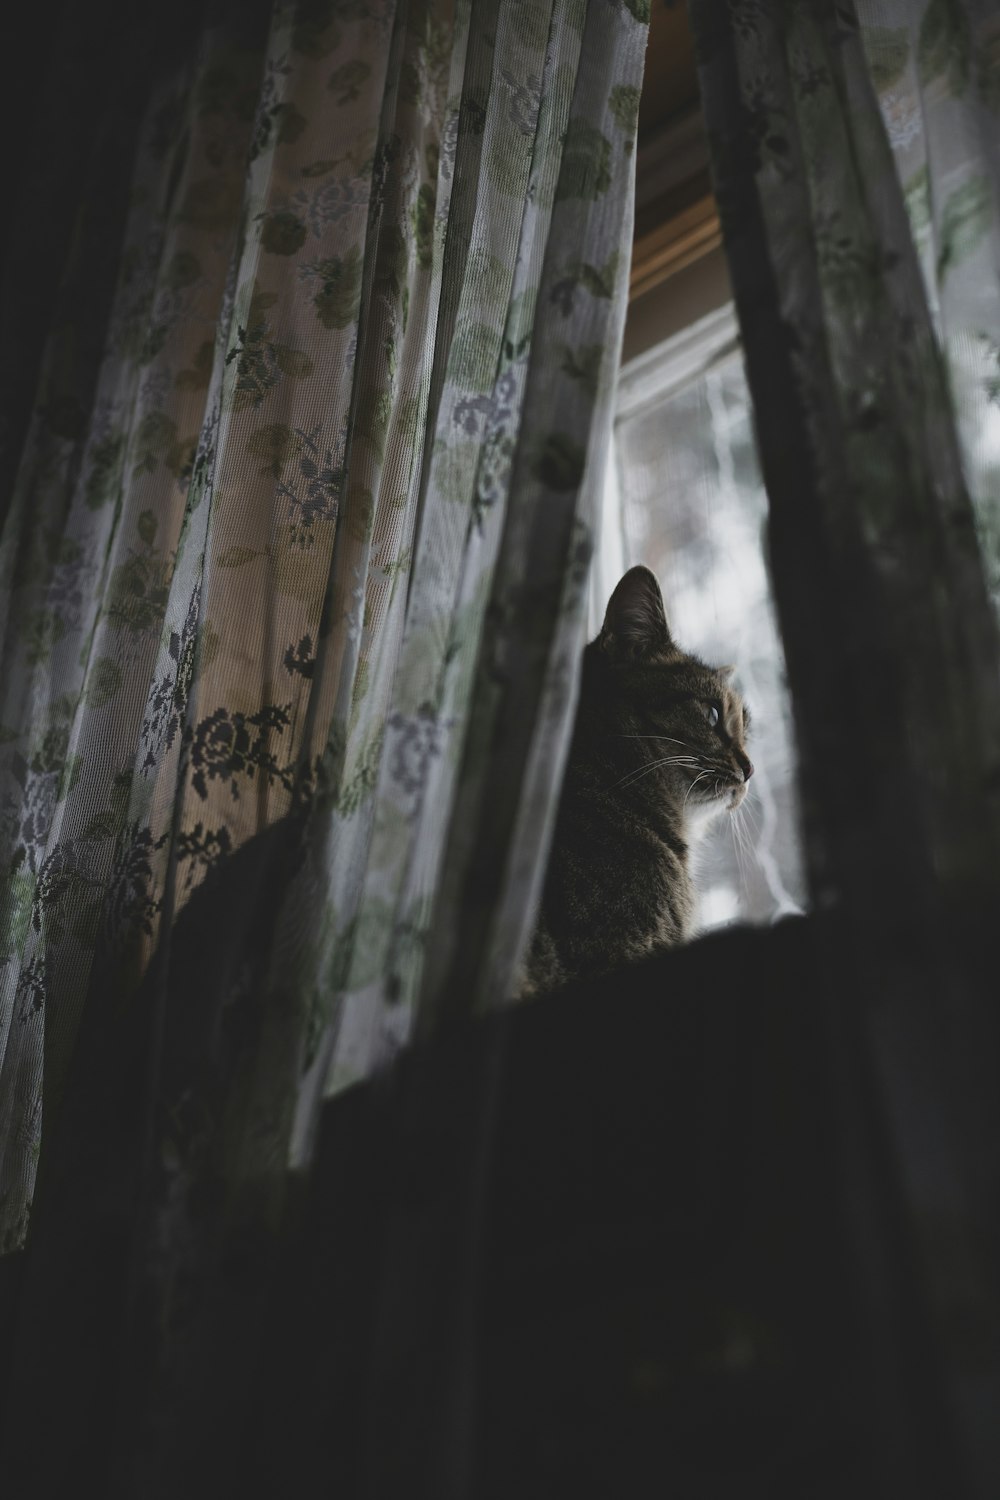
(681, 723)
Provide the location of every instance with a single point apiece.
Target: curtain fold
(936, 70)
(268, 560)
(862, 459)
(291, 599)
(880, 536)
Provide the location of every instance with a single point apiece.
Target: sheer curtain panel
(292, 591)
(880, 543)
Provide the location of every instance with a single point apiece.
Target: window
(685, 496)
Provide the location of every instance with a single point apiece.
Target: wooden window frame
(676, 219)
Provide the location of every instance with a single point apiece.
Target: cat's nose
(746, 765)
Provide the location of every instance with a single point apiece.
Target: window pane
(689, 503)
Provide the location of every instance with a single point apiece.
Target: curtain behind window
(293, 576)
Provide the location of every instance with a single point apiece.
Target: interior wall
(676, 303)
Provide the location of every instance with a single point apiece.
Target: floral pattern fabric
(313, 541)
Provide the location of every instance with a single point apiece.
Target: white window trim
(660, 371)
(651, 377)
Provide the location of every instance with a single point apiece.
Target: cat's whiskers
(670, 737)
(639, 771)
(751, 816)
(737, 853)
(694, 783)
(741, 845)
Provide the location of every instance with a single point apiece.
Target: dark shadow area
(642, 1237)
(683, 1271)
(726, 1223)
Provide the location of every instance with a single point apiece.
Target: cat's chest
(654, 871)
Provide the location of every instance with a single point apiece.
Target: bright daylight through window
(684, 495)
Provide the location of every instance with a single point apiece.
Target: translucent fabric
(879, 579)
(936, 69)
(880, 551)
(305, 549)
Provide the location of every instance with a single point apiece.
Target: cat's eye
(712, 714)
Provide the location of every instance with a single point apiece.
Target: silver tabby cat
(658, 750)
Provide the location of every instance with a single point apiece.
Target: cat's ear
(636, 622)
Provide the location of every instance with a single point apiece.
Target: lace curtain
(878, 575)
(936, 70)
(293, 574)
(864, 269)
